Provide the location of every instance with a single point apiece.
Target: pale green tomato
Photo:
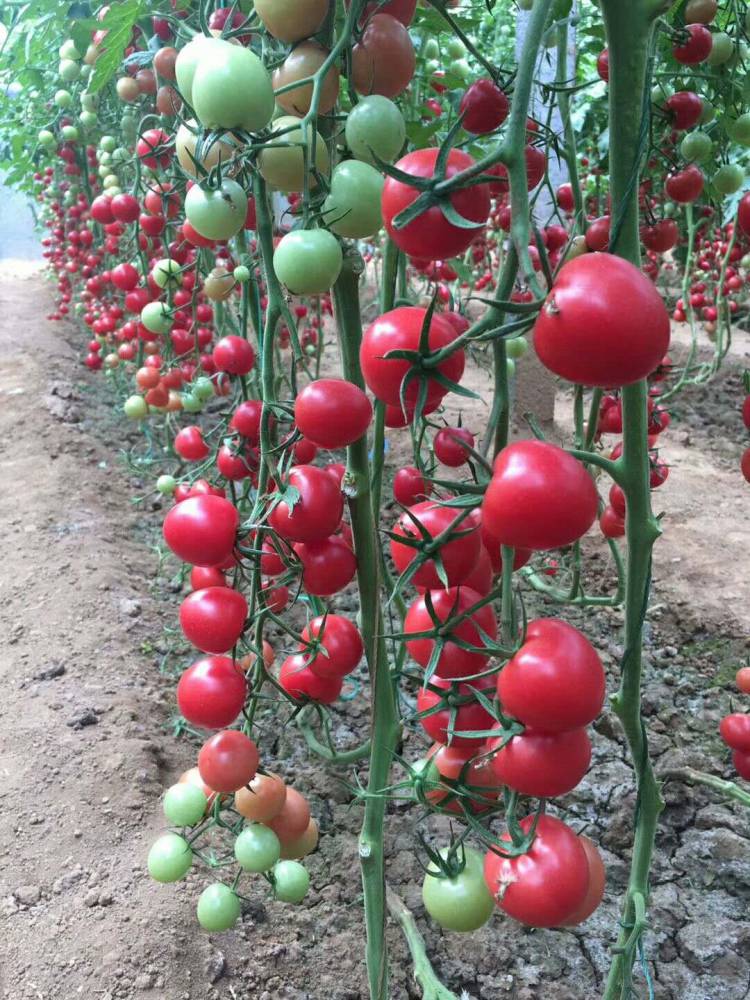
(455, 48)
(739, 130)
(231, 88)
(69, 133)
(187, 63)
(108, 144)
(740, 55)
(722, 49)
(155, 317)
(375, 125)
(68, 50)
(102, 169)
(696, 146)
(120, 155)
(746, 261)
(517, 347)
(257, 848)
(218, 908)
(45, 137)
(291, 881)
(63, 98)
(463, 903)
(658, 94)
(282, 162)
(308, 261)
(88, 119)
(510, 367)
(708, 112)
(169, 858)
(86, 71)
(432, 66)
(203, 388)
(216, 214)
(105, 158)
(191, 404)
(728, 178)
(431, 49)
(166, 272)
(184, 804)
(114, 191)
(352, 208)
(69, 71)
(241, 273)
(89, 102)
(461, 69)
(110, 181)
(167, 485)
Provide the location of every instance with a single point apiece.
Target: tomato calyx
(447, 863)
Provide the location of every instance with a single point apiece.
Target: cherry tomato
(453, 662)
(458, 555)
(452, 709)
(461, 902)
(340, 645)
(315, 512)
(735, 731)
(201, 530)
(211, 692)
(228, 760)
(541, 764)
(332, 412)
(213, 619)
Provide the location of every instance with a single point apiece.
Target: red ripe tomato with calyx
(548, 883)
(211, 692)
(696, 46)
(400, 330)
(686, 108)
(452, 709)
(602, 324)
(314, 512)
(153, 148)
(328, 565)
(201, 530)
(189, 444)
(539, 497)
(555, 681)
(410, 486)
(451, 446)
(456, 780)
(332, 413)
(453, 661)
(686, 185)
(336, 645)
(458, 554)
(213, 619)
(661, 236)
(432, 236)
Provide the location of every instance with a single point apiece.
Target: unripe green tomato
(155, 317)
(658, 95)
(203, 388)
(455, 48)
(166, 272)
(218, 908)
(108, 144)
(708, 112)
(510, 367)
(68, 50)
(135, 407)
(45, 137)
(291, 881)
(167, 485)
(216, 213)
(86, 71)
(375, 125)
(184, 804)
(104, 158)
(88, 119)
(231, 88)
(461, 69)
(63, 98)
(241, 273)
(432, 66)
(670, 209)
(431, 49)
(308, 261)
(103, 169)
(352, 208)
(462, 903)
(728, 178)
(120, 155)
(113, 191)
(69, 133)
(170, 858)
(282, 161)
(739, 130)
(516, 347)
(89, 102)
(69, 71)
(257, 848)
(740, 55)
(696, 146)
(722, 49)
(110, 181)
(191, 404)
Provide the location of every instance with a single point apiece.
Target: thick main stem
(385, 725)
(628, 31)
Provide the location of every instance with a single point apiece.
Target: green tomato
(739, 130)
(102, 170)
(114, 191)
(155, 317)
(88, 119)
(308, 261)
(63, 98)
(722, 49)
(169, 858)
(510, 366)
(203, 388)
(105, 158)
(69, 133)
(186, 64)
(110, 181)
(218, 908)
(282, 163)
(184, 804)
(353, 207)
(86, 71)
(191, 404)
(291, 881)
(120, 155)
(739, 55)
(167, 485)
(728, 178)
(69, 71)
(108, 143)
(517, 347)
(432, 66)
(708, 112)
(463, 903)
(461, 69)
(431, 49)
(241, 273)
(135, 407)
(257, 848)
(455, 48)
(68, 50)
(165, 271)
(231, 88)
(216, 214)
(696, 146)
(45, 137)
(375, 125)
(89, 102)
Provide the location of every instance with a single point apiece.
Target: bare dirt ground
(87, 748)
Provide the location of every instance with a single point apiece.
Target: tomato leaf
(118, 24)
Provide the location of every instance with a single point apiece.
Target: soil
(88, 721)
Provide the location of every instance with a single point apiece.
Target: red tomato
(332, 413)
(246, 419)
(741, 761)
(481, 577)
(565, 199)
(541, 764)
(743, 214)
(555, 681)
(735, 731)
(597, 234)
(451, 709)
(410, 486)
(745, 464)
(336, 645)
(542, 887)
(300, 682)
(597, 881)
(228, 760)
(450, 444)
(213, 619)
(402, 10)
(602, 65)
(611, 524)
(383, 60)
(685, 185)
(484, 107)
(539, 497)
(207, 576)
(453, 662)
(696, 47)
(603, 323)
(234, 355)
(201, 530)
(660, 237)
(211, 692)
(743, 679)
(431, 235)
(328, 565)
(686, 108)
(189, 444)
(457, 766)
(400, 330)
(459, 555)
(315, 513)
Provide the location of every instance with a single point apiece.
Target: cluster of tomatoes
(735, 729)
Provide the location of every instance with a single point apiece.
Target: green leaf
(118, 24)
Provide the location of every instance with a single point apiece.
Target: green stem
(424, 974)
(385, 724)
(628, 33)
